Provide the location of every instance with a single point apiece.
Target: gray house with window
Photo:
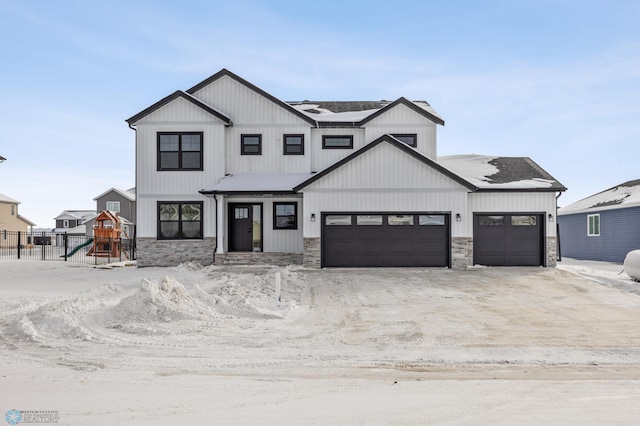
(118, 201)
(604, 226)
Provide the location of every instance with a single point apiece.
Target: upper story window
(13, 210)
(285, 216)
(593, 225)
(410, 139)
(180, 151)
(65, 223)
(293, 144)
(179, 220)
(113, 206)
(337, 142)
(251, 144)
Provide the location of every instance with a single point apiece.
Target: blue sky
(557, 81)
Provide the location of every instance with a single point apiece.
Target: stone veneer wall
(154, 252)
(311, 257)
(552, 252)
(461, 252)
(258, 258)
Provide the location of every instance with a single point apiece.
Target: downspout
(559, 253)
(135, 219)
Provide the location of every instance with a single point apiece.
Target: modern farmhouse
(227, 173)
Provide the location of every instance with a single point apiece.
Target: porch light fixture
(550, 217)
(313, 217)
(458, 217)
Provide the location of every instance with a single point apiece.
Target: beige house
(10, 220)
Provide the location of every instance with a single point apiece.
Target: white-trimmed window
(65, 223)
(593, 225)
(113, 206)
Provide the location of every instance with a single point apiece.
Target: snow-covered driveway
(359, 346)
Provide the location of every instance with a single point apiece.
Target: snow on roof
(349, 111)
(621, 196)
(259, 182)
(75, 214)
(489, 172)
(130, 195)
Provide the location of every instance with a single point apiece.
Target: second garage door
(508, 239)
(373, 239)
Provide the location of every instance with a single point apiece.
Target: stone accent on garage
(154, 252)
(461, 252)
(552, 252)
(312, 253)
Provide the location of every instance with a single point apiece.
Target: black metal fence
(64, 247)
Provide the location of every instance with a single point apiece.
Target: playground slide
(76, 248)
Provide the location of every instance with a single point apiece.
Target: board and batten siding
(323, 158)
(402, 120)
(619, 234)
(513, 202)
(272, 159)
(383, 179)
(273, 240)
(245, 106)
(153, 185)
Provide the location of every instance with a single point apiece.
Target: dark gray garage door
(374, 239)
(508, 239)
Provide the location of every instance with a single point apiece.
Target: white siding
(508, 202)
(245, 106)
(272, 159)
(273, 240)
(383, 179)
(402, 119)
(323, 158)
(153, 185)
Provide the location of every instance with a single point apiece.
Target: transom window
(293, 144)
(178, 220)
(593, 225)
(113, 206)
(251, 144)
(337, 142)
(180, 151)
(285, 216)
(410, 139)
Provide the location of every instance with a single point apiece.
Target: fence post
(19, 237)
(66, 245)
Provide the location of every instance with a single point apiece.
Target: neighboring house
(118, 201)
(604, 226)
(225, 167)
(73, 222)
(10, 220)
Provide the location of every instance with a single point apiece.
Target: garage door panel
(508, 239)
(395, 239)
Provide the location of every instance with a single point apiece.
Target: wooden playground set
(107, 237)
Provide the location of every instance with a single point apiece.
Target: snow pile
(62, 318)
(632, 264)
(164, 301)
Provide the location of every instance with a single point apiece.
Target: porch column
(220, 223)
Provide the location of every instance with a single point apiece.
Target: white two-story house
(226, 172)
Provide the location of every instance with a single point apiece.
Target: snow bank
(632, 264)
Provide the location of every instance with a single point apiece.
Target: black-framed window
(179, 220)
(285, 215)
(180, 151)
(251, 144)
(293, 144)
(337, 142)
(410, 139)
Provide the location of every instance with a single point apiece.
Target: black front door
(240, 227)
